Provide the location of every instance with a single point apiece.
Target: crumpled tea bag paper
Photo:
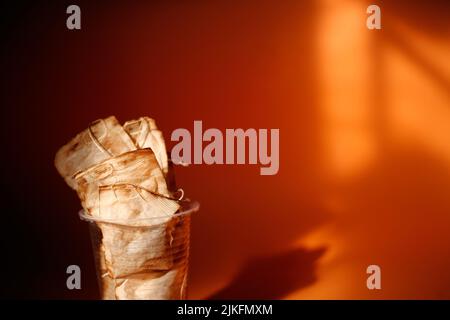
(120, 175)
(108, 284)
(103, 139)
(157, 286)
(137, 167)
(145, 134)
(144, 241)
(133, 204)
(130, 250)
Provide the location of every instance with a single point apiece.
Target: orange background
(364, 118)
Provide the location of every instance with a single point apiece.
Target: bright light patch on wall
(344, 54)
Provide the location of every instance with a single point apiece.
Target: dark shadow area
(273, 277)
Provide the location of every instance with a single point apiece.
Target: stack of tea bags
(119, 173)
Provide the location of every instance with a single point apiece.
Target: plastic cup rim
(193, 206)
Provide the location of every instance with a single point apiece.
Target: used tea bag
(162, 286)
(145, 134)
(107, 284)
(133, 204)
(121, 175)
(136, 249)
(137, 167)
(103, 139)
(144, 242)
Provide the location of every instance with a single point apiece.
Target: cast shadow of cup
(273, 277)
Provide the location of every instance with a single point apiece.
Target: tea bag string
(95, 140)
(139, 192)
(179, 190)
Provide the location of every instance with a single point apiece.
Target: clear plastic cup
(144, 259)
